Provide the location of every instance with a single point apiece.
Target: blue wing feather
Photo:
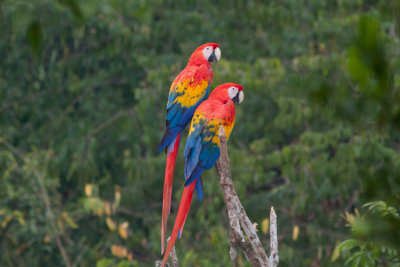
(200, 152)
(172, 112)
(209, 157)
(196, 173)
(178, 117)
(169, 136)
(194, 155)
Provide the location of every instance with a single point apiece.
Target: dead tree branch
(239, 220)
(273, 243)
(173, 257)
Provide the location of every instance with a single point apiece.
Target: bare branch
(273, 242)
(173, 257)
(238, 218)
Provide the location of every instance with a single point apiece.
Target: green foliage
(83, 86)
(382, 208)
(367, 249)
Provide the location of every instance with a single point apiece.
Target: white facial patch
(241, 96)
(232, 92)
(207, 51)
(218, 53)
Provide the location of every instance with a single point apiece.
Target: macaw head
(228, 91)
(209, 52)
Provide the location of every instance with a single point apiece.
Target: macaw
(187, 91)
(202, 146)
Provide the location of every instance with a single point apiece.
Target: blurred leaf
(265, 225)
(74, 7)
(107, 208)
(94, 204)
(121, 252)
(355, 259)
(123, 230)
(296, 231)
(88, 190)
(68, 219)
(347, 245)
(335, 254)
(46, 239)
(117, 199)
(111, 224)
(35, 37)
(5, 222)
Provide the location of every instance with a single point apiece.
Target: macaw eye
(207, 51)
(232, 92)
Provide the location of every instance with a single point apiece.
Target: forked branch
(247, 239)
(239, 220)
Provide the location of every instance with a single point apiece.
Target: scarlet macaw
(187, 91)
(202, 146)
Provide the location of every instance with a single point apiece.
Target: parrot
(202, 147)
(187, 91)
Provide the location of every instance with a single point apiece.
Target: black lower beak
(236, 99)
(212, 57)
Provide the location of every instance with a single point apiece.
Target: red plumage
(202, 145)
(187, 91)
(168, 180)
(184, 207)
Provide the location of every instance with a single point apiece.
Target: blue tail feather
(200, 189)
(169, 137)
(196, 173)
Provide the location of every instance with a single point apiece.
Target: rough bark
(239, 220)
(173, 258)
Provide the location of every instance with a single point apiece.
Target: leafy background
(83, 86)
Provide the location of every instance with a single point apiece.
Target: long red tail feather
(184, 207)
(184, 220)
(168, 180)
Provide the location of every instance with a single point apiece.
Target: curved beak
(215, 56)
(212, 57)
(238, 98)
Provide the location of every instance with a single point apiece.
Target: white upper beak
(217, 52)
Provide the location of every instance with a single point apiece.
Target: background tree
(82, 100)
